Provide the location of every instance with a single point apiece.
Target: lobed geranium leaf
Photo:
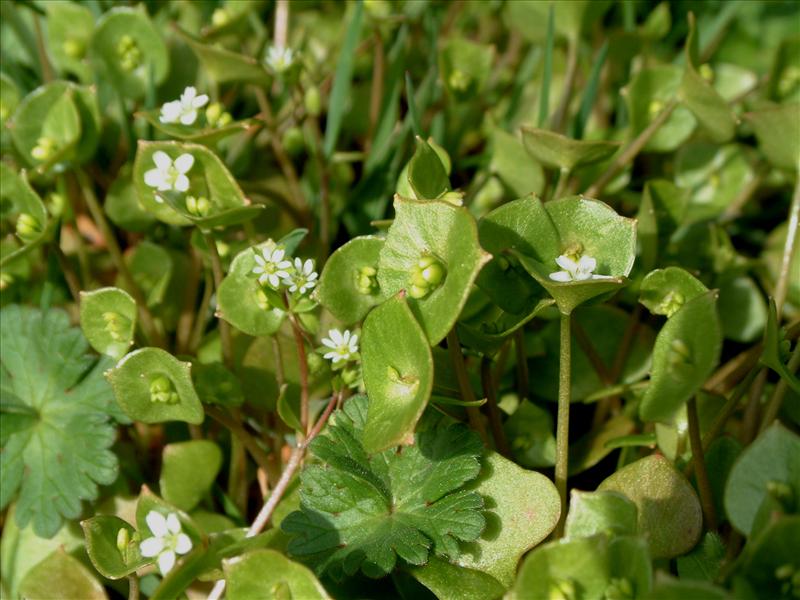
(102, 534)
(449, 235)
(266, 574)
(187, 471)
(557, 151)
(129, 51)
(61, 577)
(339, 289)
(152, 386)
(209, 179)
(769, 464)
(603, 512)
(398, 373)
(108, 320)
(665, 291)
(686, 351)
(361, 511)
(669, 514)
(239, 300)
(56, 435)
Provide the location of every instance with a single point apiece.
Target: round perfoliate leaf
(153, 386)
(213, 198)
(560, 152)
(108, 320)
(665, 291)
(215, 384)
(241, 299)
(398, 373)
(130, 50)
(269, 574)
(69, 32)
(591, 513)
(432, 252)
(348, 286)
(18, 199)
(187, 471)
(669, 514)
(61, 577)
(686, 351)
(111, 547)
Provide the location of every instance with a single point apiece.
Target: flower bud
(28, 227)
(293, 141)
(313, 101)
(199, 207)
(162, 390)
(220, 17)
(123, 538)
(44, 148)
(74, 48)
(367, 280)
(459, 81)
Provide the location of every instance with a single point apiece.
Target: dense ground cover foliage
(400, 299)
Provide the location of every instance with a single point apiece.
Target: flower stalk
(562, 426)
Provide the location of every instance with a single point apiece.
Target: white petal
(277, 255)
(336, 358)
(162, 160)
(157, 523)
(154, 178)
(328, 343)
(189, 117)
(151, 547)
(298, 264)
(284, 264)
(184, 544)
(330, 355)
(561, 276)
(354, 341)
(166, 561)
(260, 260)
(274, 280)
(566, 263)
(336, 336)
(200, 101)
(263, 279)
(587, 263)
(308, 268)
(188, 94)
(346, 337)
(184, 162)
(173, 524)
(181, 183)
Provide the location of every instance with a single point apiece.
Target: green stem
(47, 68)
(626, 156)
(467, 394)
(152, 332)
(703, 484)
(569, 81)
(303, 366)
(523, 379)
(133, 587)
(495, 418)
(224, 327)
(753, 410)
(562, 427)
(782, 287)
(775, 401)
(563, 176)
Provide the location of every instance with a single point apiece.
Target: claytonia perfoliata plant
(183, 110)
(272, 268)
(303, 278)
(167, 541)
(576, 269)
(343, 346)
(169, 175)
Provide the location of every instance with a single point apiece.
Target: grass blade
(544, 95)
(342, 81)
(412, 106)
(591, 92)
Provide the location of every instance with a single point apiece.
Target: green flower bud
(293, 141)
(459, 81)
(313, 101)
(162, 390)
(28, 227)
(784, 571)
(74, 48)
(367, 281)
(6, 279)
(114, 324)
(671, 303)
(619, 589)
(123, 538)
(656, 106)
(431, 270)
(45, 148)
(55, 203)
(199, 207)
(128, 52)
(351, 376)
(315, 363)
(706, 72)
(453, 197)
(562, 590)
(782, 492)
(220, 17)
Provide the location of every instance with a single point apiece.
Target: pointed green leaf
(269, 574)
(426, 173)
(18, 198)
(773, 339)
(444, 234)
(398, 373)
(103, 541)
(152, 386)
(187, 471)
(777, 130)
(686, 351)
(669, 516)
(348, 285)
(108, 320)
(514, 166)
(557, 151)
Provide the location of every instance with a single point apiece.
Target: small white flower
(279, 59)
(167, 540)
(185, 109)
(169, 175)
(271, 267)
(303, 278)
(576, 270)
(344, 346)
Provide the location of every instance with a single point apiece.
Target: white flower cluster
(183, 110)
(167, 541)
(169, 175)
(274, 269)
(342, 346)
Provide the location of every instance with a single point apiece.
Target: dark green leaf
(187, 471)
(108, 320)
(557, 151)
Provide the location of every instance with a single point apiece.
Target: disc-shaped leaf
(669, 514)
(46, 126)
(152, 386)
(344, 282)
(742, 310)
(398, 373)
(18, 198)
(777, 130)
(269, 574)
(103, 535)
(557, 151)
(239, 298)
(650, 90)
(452, 582)
(152, 269)
(514, 166)
(130, 51)
(770, 462)
(362, 512)
(108, 320)
(665, 291)
(209, 179)
(69, 32)
(223, 65)
(187, 471)
(449, 235)
(522, 508)
(591, 513)
(686, 351)
(61, 577)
